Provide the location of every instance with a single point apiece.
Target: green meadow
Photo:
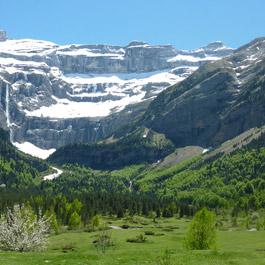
(235, 246)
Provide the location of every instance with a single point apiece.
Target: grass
(235, 247)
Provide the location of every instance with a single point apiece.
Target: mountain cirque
(55, 95)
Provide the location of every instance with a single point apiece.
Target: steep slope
(59, 95)
(219, 101)
(232, 180)
(140, 146)
(18, 170)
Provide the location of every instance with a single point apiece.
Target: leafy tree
(74, 221)
(95, 221)
(202, 231)
(54, 224)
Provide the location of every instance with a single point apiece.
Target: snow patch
(89, 53)
(53, 175)
(205, 150)
(190, 58)
(33, 150)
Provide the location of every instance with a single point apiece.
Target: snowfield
(65, 108)
(27, 47)
(33, 150)
(128, 87)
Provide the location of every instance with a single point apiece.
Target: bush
(89, 229)
(159, 234)
(202, 232)
(165, 259)
(68, 247)
(103, 241)
(149, 233)
(104, 227)
(125, 226)
(20, 230)
(138, 239)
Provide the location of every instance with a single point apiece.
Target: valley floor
(234, 247)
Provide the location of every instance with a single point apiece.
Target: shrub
(68, 247)
(202, 231)
(165, 259)
(104, 227)
(234, 221)
(159, 234)
(138, 239)
(149, 233)
(20, 230)
(89, 229)
(153, 216)
(125, 226)
(103, 241)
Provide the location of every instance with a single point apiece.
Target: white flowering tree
(21, 230)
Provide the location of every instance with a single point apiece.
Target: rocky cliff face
(54, 95)
(217, 102)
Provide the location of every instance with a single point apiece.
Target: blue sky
(184, 23)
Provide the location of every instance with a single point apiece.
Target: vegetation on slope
(141, 146)
(17, 170)
(234, 180)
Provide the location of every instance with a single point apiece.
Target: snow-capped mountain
(53, 95)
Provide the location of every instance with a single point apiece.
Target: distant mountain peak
(137, 43)
(215, 45)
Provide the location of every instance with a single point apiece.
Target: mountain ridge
(216, 103)
(60, 95)
(230, 81)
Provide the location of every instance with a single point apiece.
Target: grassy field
(234, 247)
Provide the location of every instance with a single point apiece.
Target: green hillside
(233, 180)
(18, 170)
(140, 146)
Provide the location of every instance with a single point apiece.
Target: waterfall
(8, 123)
(7, 106)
